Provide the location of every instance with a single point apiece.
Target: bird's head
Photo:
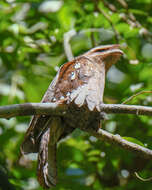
(107, 54)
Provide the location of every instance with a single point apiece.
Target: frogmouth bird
(79, 85)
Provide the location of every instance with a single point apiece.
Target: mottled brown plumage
(79, 84)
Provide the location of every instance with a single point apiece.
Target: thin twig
(93, 40)
(91, 30)
(135, 95)
(117, 36)
(67, 47)
(123, 3)
(129, 18)
(110, 6)
(142, 179)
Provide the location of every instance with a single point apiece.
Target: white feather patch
(81, 96)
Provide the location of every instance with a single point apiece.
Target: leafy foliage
(31, 50)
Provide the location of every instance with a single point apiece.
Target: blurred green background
(31, 51)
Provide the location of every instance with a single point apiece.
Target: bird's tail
(47, 165)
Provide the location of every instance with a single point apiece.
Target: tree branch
(31, 109)
(55, 109)
(118, 140)
(58, 109)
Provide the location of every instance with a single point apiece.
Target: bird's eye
(100, 50)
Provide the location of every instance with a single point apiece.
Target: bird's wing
(81, 82)
(30, 143)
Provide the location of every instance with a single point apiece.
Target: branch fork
(55, 109)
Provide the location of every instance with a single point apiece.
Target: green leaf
(134, 140)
